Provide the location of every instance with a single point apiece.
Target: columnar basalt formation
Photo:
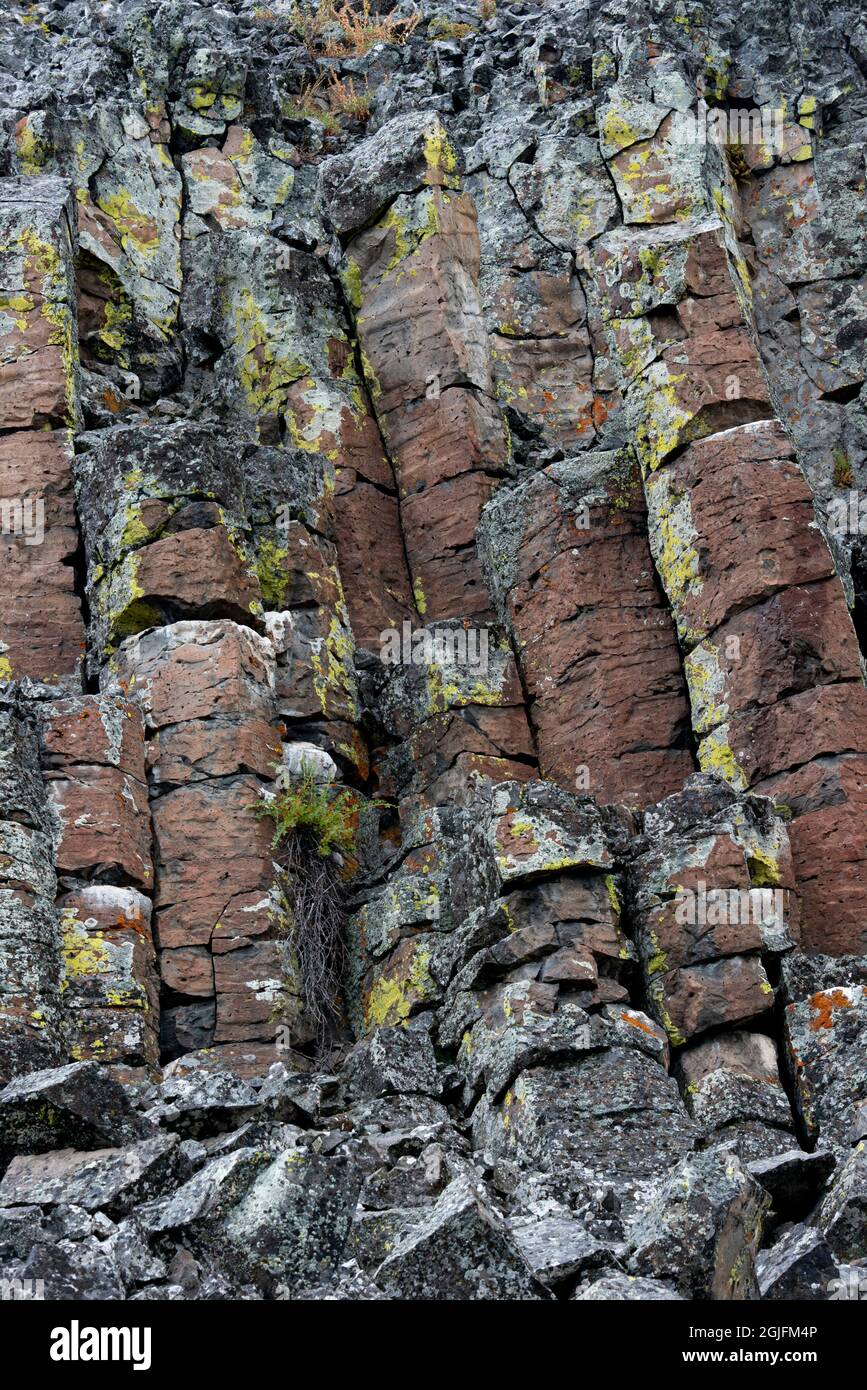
(434, 436)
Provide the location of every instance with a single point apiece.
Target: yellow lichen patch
(715, 754)
(351, 280)
(706, 683)
(116, 323)
(611, 889)
(136, 230)
(85, 954)
(273, 572)
(391, 999)
(661, 429)
(672, 537)
(440, 158)
(763, 869)
(331, 659)
(33, 152)
(264, 377)
(617, 131)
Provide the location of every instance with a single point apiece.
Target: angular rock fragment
(78, 1105)
(800, 1266)
(825, 1042)
(459, 1250)
(842, 1216)
(570, 1121)
(711, 885)
(112, 1180)
(703, 1228)
(627, 1288)
(393, 1060)
(732, 1087)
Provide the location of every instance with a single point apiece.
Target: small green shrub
(440, 29)
(313, 835)
(306, 805)
(843, 475)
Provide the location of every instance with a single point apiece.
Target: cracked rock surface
(460, 407)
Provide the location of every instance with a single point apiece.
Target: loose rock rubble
(436, 413)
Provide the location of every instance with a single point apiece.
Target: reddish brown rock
(551, 381)
(372, 558)
(439, 528)
(818, 723)
(250, 979)
(447, 755)
(723, 992)
(94, 729)
(711, 888)
(41, 629)
(198, 571)
(94, 765)
(217, 747)
(190, 669)
(214, 869)
(828, 802)
(37, 321)
(188, 970)
(800, 638)
(422, 333)
(105, 825)
(685, 356)
(732, 522)
(569, 562)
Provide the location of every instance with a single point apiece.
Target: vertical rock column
(30, 965)
(771, 658)
(206, 690)
(411, 279)
(411, 275)
(565, 551)
(168, 542)
(568, 563)
(41, 630)
(93, 757)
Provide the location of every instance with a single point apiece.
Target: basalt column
(771, 658)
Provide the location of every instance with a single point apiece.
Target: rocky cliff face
(464, 408)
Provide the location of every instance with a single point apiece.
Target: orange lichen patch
(824, 1003)
(637, 1023)
(111, 402)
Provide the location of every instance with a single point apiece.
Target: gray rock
(201, 1100)
(842, 1215)
(110, 1179)
(393, 1061)
(556, 1246)
(799, 1266)
(78, 1106)
(459, 1250)
(826, 1043)
(627, 1288)
(354, 188)
(75, 1270)
(703, 1229)
(793, 1178)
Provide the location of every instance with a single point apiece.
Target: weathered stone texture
(452, 424)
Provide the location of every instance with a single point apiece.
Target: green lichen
(273, 573)
(392, 997)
